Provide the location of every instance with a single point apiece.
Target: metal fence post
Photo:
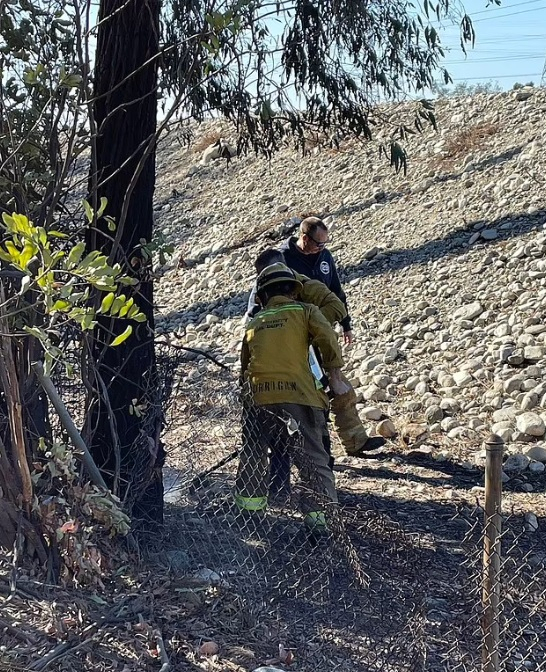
(492, 554)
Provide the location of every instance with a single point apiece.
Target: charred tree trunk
(125, 415)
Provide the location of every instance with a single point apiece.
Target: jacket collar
(310, 259)
(279, 301)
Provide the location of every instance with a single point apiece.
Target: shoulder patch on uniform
(324, 267)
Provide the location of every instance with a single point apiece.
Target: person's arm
(316, 292)
(324, 338)
(335, 287)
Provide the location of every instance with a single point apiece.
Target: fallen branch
(51, 656)
(88, 633)
(60, 651)
(165, 662)
(68, 424)
(225, 460)
(196, 351)
(22, 635)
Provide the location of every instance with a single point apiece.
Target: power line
(496, 9)
(492, 18)
(473, 61)
(485, 77)
(455, 24)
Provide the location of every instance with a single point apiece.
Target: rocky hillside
(444, 268)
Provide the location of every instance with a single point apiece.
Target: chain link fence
(372, 593)
(368, 595)
(497, 612)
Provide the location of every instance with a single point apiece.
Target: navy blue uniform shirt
(320, 266)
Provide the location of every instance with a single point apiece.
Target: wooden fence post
(492, 554)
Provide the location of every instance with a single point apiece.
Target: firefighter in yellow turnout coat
(275, 366)
(347, 422)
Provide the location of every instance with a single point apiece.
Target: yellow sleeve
(324, 338)
(316, 292)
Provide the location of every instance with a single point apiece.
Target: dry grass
(466, 141)
(206, 140)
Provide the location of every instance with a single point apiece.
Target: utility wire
(493, 18)
(496, 9)
(486, 77)
(472, 61)
(455, 24)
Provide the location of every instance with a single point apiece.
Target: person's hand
(338, 387)
(348, 337)
(337, 384)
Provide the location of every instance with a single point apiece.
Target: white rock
(374, 393)
(450, 406)
(504, 414)
(524, 93)
(372, 413)
(434, 414)
(513, 384)
(533, 353)
(469, 311)
(462, 378)
(372, 363)
(386, 428)
(412, 382)
(531, 424)
(391, 355)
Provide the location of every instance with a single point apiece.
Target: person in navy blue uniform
(307, 254)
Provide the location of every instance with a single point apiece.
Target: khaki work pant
(347, 422)
(265, 427)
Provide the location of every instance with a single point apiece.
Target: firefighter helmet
(277, 273)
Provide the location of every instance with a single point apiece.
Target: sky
(510, 43)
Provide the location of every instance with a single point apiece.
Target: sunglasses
(320, 245)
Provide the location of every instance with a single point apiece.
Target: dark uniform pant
(294, 429)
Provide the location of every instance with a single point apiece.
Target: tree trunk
(125, 443)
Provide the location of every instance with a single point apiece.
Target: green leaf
(106, 303)
(128, 281)
(40, 334)
(125, 309)
(119, 301)
(61, 305)
(88, 211)
(122, 337)
(102, 207)
(88, 321)
(75, 255)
